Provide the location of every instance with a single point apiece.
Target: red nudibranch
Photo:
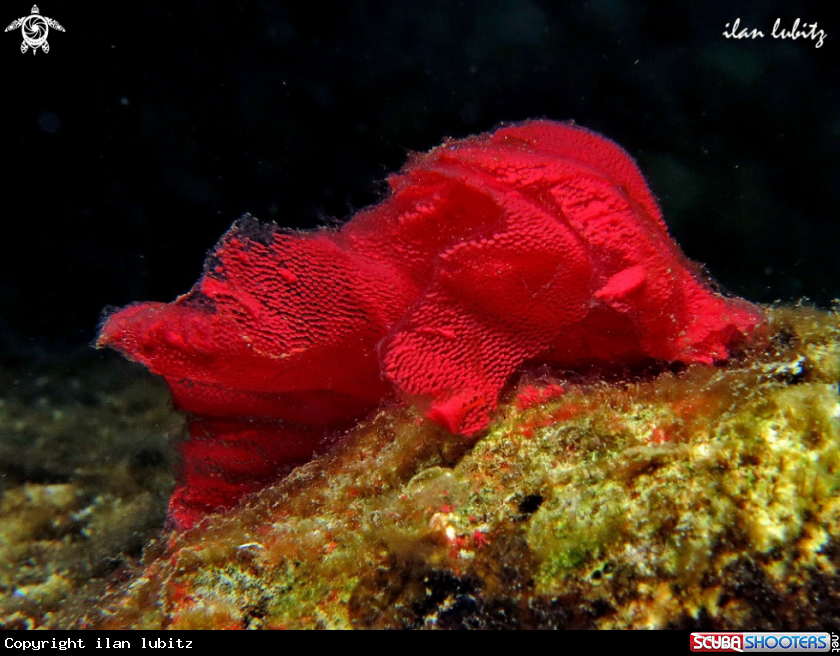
(539, 243)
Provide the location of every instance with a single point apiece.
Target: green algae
(704, 497)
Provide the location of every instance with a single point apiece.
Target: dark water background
(148, 128)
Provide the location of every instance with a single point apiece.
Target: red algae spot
(537, 243)
(659, 436)
(532, 395)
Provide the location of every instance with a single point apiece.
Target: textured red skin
(537, 243)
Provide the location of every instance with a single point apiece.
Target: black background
(132, 145)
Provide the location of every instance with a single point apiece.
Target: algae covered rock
(693, 497)
(84, 479)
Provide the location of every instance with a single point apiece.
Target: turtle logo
(34, 29)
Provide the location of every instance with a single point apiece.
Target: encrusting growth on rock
(702, 499)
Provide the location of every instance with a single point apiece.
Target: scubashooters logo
(34, 29)
(783, 642)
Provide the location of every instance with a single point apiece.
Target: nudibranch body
(539, 243)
